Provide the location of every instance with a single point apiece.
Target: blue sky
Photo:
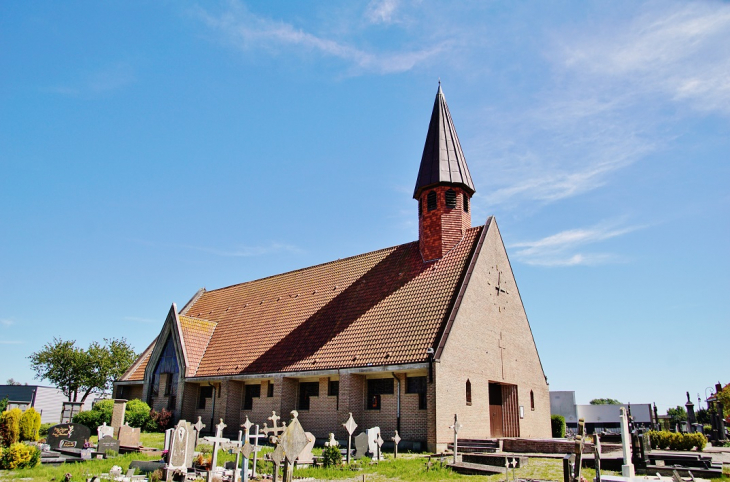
(148, 149)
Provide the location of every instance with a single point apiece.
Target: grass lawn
(408, 467)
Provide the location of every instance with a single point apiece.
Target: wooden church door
(495, 410)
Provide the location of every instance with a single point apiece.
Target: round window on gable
(431, 201)
(450, 197)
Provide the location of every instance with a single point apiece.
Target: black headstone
(68, 436)
(107, 443)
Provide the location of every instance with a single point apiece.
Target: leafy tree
(604, 401)
(678, 414)
(703, 416)
(4, 404)
(78, 372)
(11, 381)
(724, 397)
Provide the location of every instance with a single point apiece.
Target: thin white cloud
(382, 11)
(108, 78)
(251, 32)
(247, 251)
(6, 322)
(137, 319)
(560, 249)
(605, 103)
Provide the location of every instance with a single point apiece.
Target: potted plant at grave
(203, 460)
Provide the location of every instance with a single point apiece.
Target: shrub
(89, 418)
(558, 425)
(663, 440)
(20, 456)
(4, 404)
(161, 420)
(30, 424)
(331, 456)
(43, 429)
(10, 422)
(137, 414)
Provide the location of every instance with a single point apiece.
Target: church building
(403, 337)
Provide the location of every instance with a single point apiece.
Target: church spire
(443, 160)
(444, 187)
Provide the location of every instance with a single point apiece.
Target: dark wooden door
(495, 410)
(495, 420)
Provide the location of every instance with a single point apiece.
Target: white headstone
(105, 430)
(373, 434)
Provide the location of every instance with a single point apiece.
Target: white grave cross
(217, 441)
(456, 427)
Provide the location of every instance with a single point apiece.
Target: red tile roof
(384, 307)
(136, 371)
(196, 334)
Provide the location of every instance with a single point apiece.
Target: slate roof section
(196, 335)
(443, 160)
(380, 308)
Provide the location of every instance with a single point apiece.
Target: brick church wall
(441, 229)
(484, 317)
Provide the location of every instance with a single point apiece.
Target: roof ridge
(312, 266)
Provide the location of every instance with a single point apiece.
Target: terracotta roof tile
(196, 335)
(386, 301)
(136, 371)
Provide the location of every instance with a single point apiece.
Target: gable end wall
(472, 351)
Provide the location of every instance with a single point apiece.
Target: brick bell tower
(444, 187)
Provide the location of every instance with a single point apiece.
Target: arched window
(431, 201)
(466, 203)
(468, 392)
(532, 400)
(167, 366)
(450, 197)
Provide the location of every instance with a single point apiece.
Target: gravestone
(197, 427)
(379, 441)
(456, 427)
(120, 405)
(361, 445)
(277, 457)
(350, 426)
(627, 469)
(292, 440)
(306, 457)
(177, 455)
(68, 436)
(104, 430)
(168, 438)
(373, 434)
(396, 441)
(106, 444)
(129, 436)
(216, 441)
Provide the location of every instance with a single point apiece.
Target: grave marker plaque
(361, 445)
(120, 405)
(129, 436)
(68, 436)
(106, 444)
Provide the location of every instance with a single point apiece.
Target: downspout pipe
(397, 403)
(212, 412)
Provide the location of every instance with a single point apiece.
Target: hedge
(677, 441)
(19, 456)
(558, 426)
(30, 424)
(10, 426)
(136, 414)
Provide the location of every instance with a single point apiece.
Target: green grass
(79, 471)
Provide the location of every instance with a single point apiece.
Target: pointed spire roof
(443, 160)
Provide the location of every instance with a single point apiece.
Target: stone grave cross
(379, 441)
(274, 432)
(456, 427)
(246, 449)
(256, 449)
(579, 441)
(396, 441)
(217, 441)
(627, 469)
(198, 427)
(292, 441)
(236, 447)
(350, 426)
(597, 456)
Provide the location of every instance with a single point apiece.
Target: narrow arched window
(450, 197)
(431, 200)
(532, 400)
(468, 392)
(466, 203)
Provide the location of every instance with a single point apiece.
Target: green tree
(678, 414)
(724, 397)
(4, 404)
(604, 401)
(11, 381)
(78, 372)
(30, 425)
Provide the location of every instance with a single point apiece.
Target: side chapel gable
(171, 328)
